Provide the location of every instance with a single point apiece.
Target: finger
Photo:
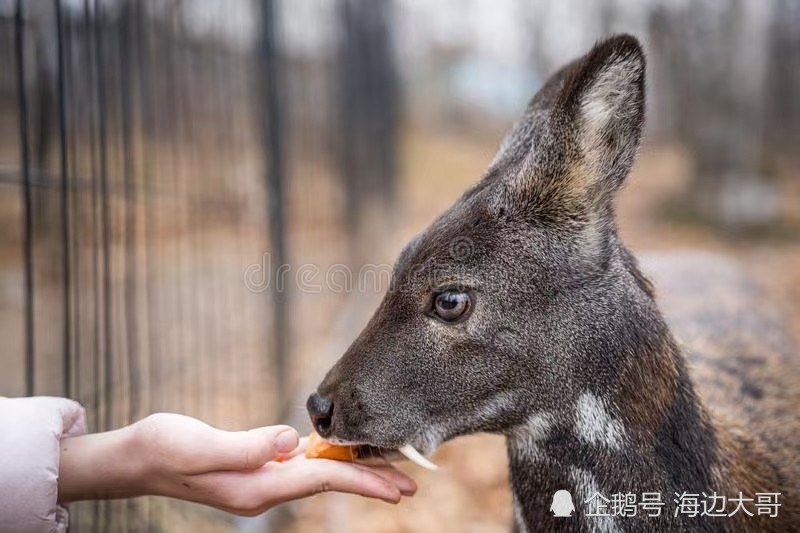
(298, 451)
(255, 491)
(305, 478)
(244, 450)
(401, 480)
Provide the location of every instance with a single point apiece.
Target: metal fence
(148, 155)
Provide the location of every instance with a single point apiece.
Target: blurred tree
(41, 72)
(714, 58)
(369, 105)
(782, 137)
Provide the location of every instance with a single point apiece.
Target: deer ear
(578, 138)
(601, 110)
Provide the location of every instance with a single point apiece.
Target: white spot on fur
(586, 487)
(526, 437)
(496, 406)
(595, 425)
(536, 428)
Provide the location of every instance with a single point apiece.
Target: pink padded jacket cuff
(30, 432)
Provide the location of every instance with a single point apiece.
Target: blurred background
(200, 200)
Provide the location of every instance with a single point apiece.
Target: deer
(520, 312)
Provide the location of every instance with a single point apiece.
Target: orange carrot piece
(319, 448)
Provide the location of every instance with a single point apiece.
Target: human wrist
(132, 462)
(101, 466)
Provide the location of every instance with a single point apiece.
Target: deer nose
(320, 409)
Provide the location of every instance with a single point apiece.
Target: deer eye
(451, 305)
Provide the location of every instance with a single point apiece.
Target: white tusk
(415, 457)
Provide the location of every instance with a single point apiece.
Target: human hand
(181, 457)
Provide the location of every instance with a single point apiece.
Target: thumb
(279, 440)
(248, 450)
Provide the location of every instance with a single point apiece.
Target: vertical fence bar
(190, 194)
(177, 367)
(27, 213)
(75, 267)
(90, 86)
(65, 207)
(107, 397)
(146, 137)
(105, 218)
(274, 133)
(131, 307)
(89, 60)
(154, 303)
(194, 116)
(223, 138)
(230, 131)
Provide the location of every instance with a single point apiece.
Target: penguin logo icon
(562, 504)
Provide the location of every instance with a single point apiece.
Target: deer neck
(648, 432)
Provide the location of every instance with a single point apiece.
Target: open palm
(237, 472)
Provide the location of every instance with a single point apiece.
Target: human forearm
(100, 465)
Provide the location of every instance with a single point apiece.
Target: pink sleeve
(30, 431)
